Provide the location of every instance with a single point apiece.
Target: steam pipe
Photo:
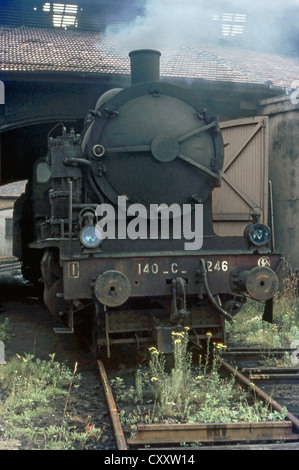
(223, 312)
(70, 209)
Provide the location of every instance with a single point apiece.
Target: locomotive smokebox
(145, 66)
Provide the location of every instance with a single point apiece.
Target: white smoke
(169, 24)
(165, 24)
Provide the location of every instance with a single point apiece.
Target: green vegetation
(188, 394)
(250, 330)
(184, 394)
(34, 393)
(33, 409)
(5, 332)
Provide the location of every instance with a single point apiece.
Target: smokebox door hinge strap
(197, 131)
(201, 167)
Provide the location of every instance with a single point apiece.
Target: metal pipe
(226, 315)
(272, 215)
(70, 209)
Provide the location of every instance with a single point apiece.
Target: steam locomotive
(92, 222)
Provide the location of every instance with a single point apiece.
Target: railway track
(9, 265)
(218, 435)
(211, 436)
(249, 362)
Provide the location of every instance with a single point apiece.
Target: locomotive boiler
(117, 221)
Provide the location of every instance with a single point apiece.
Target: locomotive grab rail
(147, 147)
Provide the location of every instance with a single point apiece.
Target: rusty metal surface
(222, 432)
(277, 378)
(273, 375)
(250, 362)
(259, 393)
(120, 439)
(165, 434)
(154, 273)
(212, 432)
(262, 283)
(112, 288)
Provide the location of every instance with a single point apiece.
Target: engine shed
(57, 58)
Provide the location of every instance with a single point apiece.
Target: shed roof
(28, 49)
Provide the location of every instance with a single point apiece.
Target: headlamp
(257, 234)
(91, 236)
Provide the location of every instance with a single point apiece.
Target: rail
(9, 264)
(273, 375)
(261, 373)
(258, 392)
(216, 433)
(119, 436)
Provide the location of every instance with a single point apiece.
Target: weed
(30, 389)
(189, 394)
(250, 329)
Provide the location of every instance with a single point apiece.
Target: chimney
(145, 66)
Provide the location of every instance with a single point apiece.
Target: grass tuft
(33, 391)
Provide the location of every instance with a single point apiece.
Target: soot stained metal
(151, 143)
